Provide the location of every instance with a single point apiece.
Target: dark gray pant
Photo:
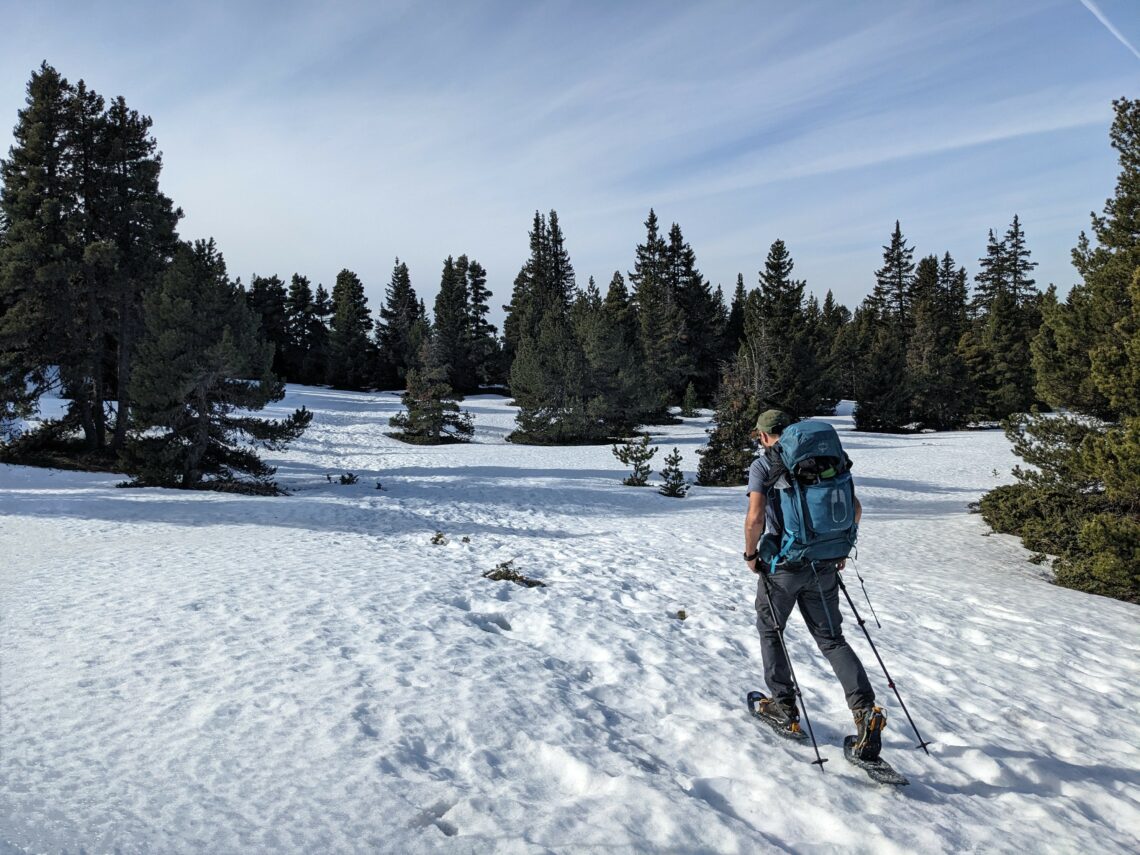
(816, 591)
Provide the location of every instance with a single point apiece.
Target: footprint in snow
(490, 622)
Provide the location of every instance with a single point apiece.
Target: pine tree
(690, 402)
(317, 364)
(780, 350)
(485, 350)
(992, 277)
(1080, 496)
(431, 415)
(636, 453)
(1006, 317)
(559, 280)
(734, 326)
(451, 329)
(937, 376)
(675, 486)
(299, 322)
(731, 448)
(399, 335)
(519, 311)
(892, 296)
(86, 380)
(349, 361)
(549, 375)
(884, 393)
(267, 298)
(88, 232)
(35, 271)
(848, 352)
(833, 318)
(1060, 354)
(607, 332)
(141, 223)
(548, 378)
(1018, 266)
(1008, 384)
(703, 316)
(661, 333)
(884, 403)
(202, 368)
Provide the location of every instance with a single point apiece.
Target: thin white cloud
(1100, 16)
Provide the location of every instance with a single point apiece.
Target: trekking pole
(855, 567)
(818, 761)
(862, 625)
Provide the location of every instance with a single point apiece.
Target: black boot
(869, 724)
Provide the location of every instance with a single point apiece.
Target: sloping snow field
(196, 672)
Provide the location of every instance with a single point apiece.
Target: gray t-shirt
(757, 475)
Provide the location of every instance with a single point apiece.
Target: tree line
(89, 241)
(163, 358)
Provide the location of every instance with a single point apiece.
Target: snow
(199, 672)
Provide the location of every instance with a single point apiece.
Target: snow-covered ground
(197, 672)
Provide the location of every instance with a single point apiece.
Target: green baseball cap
(773, 422)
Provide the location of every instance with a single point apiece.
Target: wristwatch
(753, 556)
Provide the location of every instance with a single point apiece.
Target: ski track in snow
(198, 672)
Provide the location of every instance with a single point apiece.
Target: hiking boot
(782, 716)
(869, 724)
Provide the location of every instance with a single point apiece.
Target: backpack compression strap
(782, 554)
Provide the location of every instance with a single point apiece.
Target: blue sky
(312, 137)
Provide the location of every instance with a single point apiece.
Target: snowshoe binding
(784, 720)
(863, 748)
(869, 724)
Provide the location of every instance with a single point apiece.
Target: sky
(314, 137)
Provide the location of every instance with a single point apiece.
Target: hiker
(812, 585)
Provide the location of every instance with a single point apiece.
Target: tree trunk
(192, 472)
(126, 345)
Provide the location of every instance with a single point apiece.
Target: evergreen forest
(165, 359)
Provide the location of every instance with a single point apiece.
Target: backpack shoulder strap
(776, 468)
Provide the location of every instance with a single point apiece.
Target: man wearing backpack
(787, 580)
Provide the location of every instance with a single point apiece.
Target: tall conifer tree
(451, 328)
(299, 319)
(267, 298)
(400, 331)
(485, 350)
(937, 376)
(141, 224)
(703, 314)
(780, 351)
(88, 231)
(884, 394)
(660, 320)
(350, 363)
(549, 375)
(734, 326)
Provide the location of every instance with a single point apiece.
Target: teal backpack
(817, 496)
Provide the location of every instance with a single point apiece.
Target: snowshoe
(878, 770)
(783, 721)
